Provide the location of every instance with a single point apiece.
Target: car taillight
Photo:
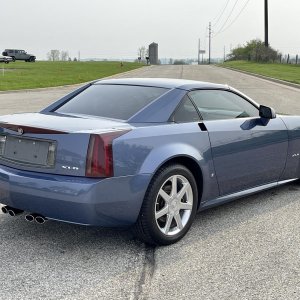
(99, 162)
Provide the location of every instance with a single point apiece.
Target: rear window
(111, 101)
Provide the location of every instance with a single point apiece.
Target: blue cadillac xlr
(143, 153)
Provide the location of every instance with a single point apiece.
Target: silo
(153, 54)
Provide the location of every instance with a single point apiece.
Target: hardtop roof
(183, 84)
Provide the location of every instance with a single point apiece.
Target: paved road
(248, 249)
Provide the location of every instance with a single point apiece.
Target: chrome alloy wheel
(173, 205)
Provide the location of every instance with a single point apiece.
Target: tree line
(57, 55)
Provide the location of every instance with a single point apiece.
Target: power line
(235, 19)
(221, 14)
(228, 16)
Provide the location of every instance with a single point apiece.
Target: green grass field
(285, 72)
(22, 75)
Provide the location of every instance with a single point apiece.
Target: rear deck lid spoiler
(21, 129)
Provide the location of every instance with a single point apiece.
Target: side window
(186, 112)
(218, 104)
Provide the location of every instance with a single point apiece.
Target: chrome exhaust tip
(30, 217)
(14, 212)
(40, 219)
(5, 209)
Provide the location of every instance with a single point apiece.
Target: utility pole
(199, 52)
(266, 24)
(224, 53)
(209, 50)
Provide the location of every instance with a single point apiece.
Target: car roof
(164, 83)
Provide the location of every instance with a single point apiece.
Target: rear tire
(169, 206)
(13, 58)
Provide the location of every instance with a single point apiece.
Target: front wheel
(169, 206)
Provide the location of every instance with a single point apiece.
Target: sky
(115, 29)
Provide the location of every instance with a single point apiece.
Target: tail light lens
(99, 161)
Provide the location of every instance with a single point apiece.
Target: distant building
(153, 54)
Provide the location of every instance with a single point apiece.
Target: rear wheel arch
(191, 165)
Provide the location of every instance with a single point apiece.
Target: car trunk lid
(54, 144)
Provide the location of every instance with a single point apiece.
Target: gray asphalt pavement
(248, 249)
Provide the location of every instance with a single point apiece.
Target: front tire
(169, 206)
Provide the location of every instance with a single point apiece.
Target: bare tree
(53, 55)
(64, 55)
(141, 53)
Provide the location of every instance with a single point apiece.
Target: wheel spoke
(164, 195)
(178, 221)
(161, 212)
(174, 185)
(168, 224)
(186, 206)
(183, 190)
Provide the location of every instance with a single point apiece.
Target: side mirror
(267, 112)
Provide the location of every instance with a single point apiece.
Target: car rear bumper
(108, 202)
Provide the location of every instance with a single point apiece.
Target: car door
(247, 150)
(22, 55)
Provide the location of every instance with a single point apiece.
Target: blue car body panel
(292, 169)
(246, 153)
(236, 157)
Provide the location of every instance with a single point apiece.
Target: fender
(146, 149)
(162, 155)
(292, 168)
(159, 156)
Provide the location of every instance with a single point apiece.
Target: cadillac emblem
(20, 130)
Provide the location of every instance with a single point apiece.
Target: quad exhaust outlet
(29, 217)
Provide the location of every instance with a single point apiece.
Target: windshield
(111, 101)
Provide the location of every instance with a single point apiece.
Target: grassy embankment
(285, 72)
(22, 75)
